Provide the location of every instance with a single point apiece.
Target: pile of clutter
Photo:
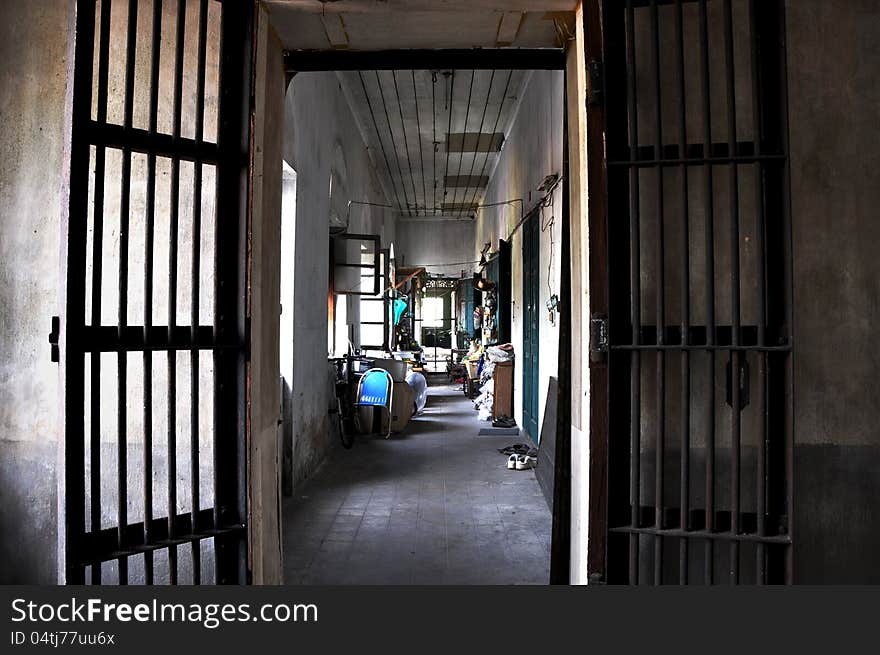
(483, 402)
(521, 457)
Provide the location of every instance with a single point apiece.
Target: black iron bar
(149, 236)
(419, 134)
(78, 195)
(379, 138)
(685, 301)
(494, 131)
(704, 534)
(705, 348)
(660, 291)
(709, 247)
(635, 299)
(195, 500)
(393, 143)
(122, 357)
(105, 545)
(145, 142)
(709, 252)
(467, 115)
(476, 149)
(97, 271)
(735, 360)
(715, 160)
(412, 178)
(776, 15)
(172, 288)
(760, 254)
(231, 291)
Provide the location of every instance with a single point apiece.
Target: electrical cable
(379, 137)
(477, 146)
(412, 178)
(393, 143)
(464, 133)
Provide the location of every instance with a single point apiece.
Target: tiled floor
(434, 505)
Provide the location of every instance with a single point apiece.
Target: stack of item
(485, 403)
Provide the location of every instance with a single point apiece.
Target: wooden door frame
(597, 213)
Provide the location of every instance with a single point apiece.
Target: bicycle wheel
(345, 435)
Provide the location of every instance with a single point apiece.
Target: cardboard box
(403, 401)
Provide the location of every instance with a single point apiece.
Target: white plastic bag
(420, 389)
(496, 354)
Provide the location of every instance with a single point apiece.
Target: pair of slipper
(521, 462)
(519, 449)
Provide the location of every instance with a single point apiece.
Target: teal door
(531, 254)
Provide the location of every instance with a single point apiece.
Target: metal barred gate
(694, 337)
(153, 337)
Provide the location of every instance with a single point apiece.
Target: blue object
(400, 306)
(375, 388)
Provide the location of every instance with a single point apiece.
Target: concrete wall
(532, 151)
(835, 155)
(33, 75)
(320, 138)
(427, 241)
(35, 50)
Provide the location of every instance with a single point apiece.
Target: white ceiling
(417, 24)
(405, 127)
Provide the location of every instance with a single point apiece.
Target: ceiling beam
(301, 61)
(324, 7)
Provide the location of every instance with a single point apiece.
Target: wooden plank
(502, 403)
(544, 471)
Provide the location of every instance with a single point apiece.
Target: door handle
(53, 339)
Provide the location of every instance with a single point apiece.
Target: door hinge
(53, 339)
(598, 338)
(595, 81)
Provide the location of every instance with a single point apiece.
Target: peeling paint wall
(532, 151)
(320, 138)
(33, 74)
(428, 242)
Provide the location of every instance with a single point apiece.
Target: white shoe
(525, 462)
(511, 462)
